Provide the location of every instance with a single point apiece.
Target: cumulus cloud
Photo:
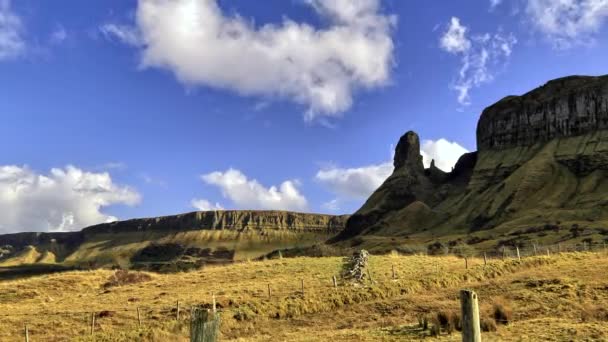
(445, 153)
(65, 199)
(250, 194)
(12, 43)
(360, 182)
(481, 56)
(319, 68)
(568, 22)
(204, 205)
(354, 183)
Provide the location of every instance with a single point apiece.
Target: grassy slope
(556, 298)
(541, 191)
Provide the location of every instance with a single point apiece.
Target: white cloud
(12, 43)
(250, 194)
(65, 199)
(455, 39)
(319, 68)
(204, 205)
(332, 206)
(124, 33)
(360, 182)
(568, 22)
(481, 56)
(354, 183)
(444, 153)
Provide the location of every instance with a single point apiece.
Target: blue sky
(122, 109)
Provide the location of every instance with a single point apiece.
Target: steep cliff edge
(237, 233)
(542, 165)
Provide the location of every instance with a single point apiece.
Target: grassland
(558, 298)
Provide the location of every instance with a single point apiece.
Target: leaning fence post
(92, 323)
(27, 334)
(177, 312)
(466, 263)
(517, 249)
(335, 282)
(504, 253)
(471, 331)
(204, 325)
(534, 246)
(138, 317)
(269, 293)
(214, 305)
(485, 259)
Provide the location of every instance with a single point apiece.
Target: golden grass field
(557, 298)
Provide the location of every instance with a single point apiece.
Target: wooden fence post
(471, 331)
(548, 253)
(214, 305)
(335, 282)
(518, 256)
(534, 246)
(177, 312)
(92, 322)
(466, 263)
(485, 259)
(204, 325)
(504, 253)
(138, 317)
(27, 334)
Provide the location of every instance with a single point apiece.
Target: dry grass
(557, 298)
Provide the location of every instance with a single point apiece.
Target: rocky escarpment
(542, 162)
(228, 231)
(564, 107)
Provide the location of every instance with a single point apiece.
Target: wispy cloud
(12, 43)
(481, 56)
(567, 23)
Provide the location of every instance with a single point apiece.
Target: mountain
(540, 175)
(208, 236)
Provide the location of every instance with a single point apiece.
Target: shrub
(448, 321)
(124, 277)
(423, 322)
(502, 314)
(487, 325)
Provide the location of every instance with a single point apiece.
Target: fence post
(485, 259)
(504, 253)
(138, 317)
(335, 282)
(27, 334)
(177, 312)
(534, 245)
(471, 331)
(214, 305)
(204, 325)
(466, 263)
(517, 249)
(92, 322)
(548, 253)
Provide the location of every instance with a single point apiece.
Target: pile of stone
(357, 265)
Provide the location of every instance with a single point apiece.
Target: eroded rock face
(568, 106)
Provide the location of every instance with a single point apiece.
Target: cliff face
(563, 107)
(542, 162)
(236, 220)
(232, 232)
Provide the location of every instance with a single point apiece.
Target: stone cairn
(356, 266)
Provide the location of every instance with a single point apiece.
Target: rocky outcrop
(237, 220)
(123, 238)
(542, 159)
(564, 107)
